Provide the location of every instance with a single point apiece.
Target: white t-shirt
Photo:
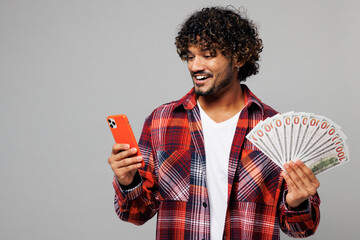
(218, 139)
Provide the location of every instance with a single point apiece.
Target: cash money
(315, 140)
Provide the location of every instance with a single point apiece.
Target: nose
(196, 65)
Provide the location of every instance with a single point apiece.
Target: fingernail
(292, 163)
(139, 158)
(139, 165)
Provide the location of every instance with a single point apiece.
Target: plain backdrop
(66, 65)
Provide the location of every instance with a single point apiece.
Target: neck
(224, 105)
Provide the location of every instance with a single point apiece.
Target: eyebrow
(205, 49)
(202, 50)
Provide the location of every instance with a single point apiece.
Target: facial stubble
(218, 86)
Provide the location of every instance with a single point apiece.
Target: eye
(209, 54)
(189, 57)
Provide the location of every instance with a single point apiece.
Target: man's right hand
(123, 163)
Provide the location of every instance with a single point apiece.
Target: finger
(305, 180)
(313, 184)
(123, 159)
(290, 183)
(124, 169)
(291, 168)
(304, 184)
(125, 154)
(308, 173)
(117, 147)
(114, 158)
(122, 166)
(132, 167)
(129, 161)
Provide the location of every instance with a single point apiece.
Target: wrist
(297, 206)
(293, 203)
(136, 180)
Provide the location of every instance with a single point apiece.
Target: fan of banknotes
(315, 140)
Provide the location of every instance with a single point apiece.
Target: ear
(239, 64)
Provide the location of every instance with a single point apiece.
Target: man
(201, 176)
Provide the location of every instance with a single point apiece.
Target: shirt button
(204, 204)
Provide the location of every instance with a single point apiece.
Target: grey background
(66, 65)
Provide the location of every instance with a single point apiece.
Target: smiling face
(212, 73)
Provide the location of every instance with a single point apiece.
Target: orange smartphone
(122, 132)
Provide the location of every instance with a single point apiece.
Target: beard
(220, 82)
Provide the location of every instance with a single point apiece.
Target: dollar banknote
(315, 140)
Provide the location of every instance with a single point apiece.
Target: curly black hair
(233, 35)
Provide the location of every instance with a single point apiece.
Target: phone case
(122, 132)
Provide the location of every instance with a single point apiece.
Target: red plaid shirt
(173, 181)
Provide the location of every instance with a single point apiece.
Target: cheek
(218, 66)
(189, 66)
(213, 65)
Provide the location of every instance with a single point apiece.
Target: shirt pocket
(257, 178)
(174, 174)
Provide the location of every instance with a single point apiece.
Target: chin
(203, 93)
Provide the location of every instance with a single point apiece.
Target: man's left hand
(301, 182)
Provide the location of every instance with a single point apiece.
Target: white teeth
(200, 77)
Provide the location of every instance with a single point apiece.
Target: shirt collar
(189, 101)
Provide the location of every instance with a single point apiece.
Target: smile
(201, 78)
